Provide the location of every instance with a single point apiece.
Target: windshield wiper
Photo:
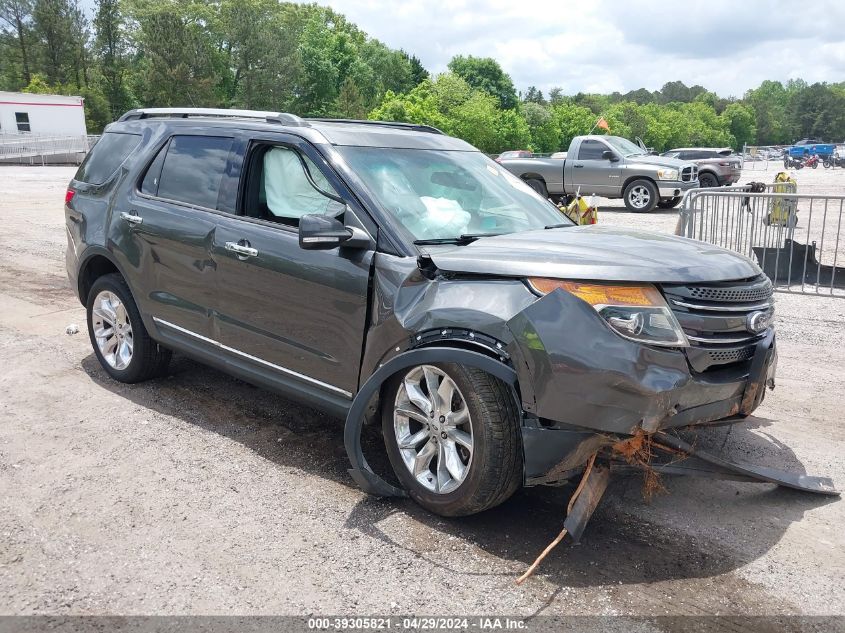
(461, 240)
(558, 226)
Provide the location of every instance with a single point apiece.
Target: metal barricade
(33, 149)
(798, 240)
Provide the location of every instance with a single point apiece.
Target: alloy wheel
(112, 329)
(640, 197)
(433, 429)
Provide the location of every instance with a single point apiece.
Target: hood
(595, 253)
(660, 161)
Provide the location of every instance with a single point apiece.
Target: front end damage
(585, 392)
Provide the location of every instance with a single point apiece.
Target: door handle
(240, 249)
(578, 166)
(131, 218)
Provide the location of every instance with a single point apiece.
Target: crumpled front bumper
(588, 384)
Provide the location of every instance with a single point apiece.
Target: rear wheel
(452, 436)
(120, 340)
(669, 203)
(707, 180)
(641, 196)
(538, 185)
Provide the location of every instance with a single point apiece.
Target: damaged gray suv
(388, 273)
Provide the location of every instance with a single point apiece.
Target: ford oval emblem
(757, 322)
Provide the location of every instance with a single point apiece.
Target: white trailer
(40, 129)
(42, 115)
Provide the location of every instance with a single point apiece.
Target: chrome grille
(714, 318)
(689, 173)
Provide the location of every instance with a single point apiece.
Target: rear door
(298, 314)
(169, 221)
(592, 173)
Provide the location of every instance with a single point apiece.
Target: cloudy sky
(726, 46)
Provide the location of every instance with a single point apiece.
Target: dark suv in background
(386, 271)
(717, 167)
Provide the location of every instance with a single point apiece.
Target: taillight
(69, 195)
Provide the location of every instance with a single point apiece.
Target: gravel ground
(200, 494)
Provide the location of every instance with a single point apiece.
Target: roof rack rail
(272, 117)
(419, 127)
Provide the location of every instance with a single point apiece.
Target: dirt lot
(200, 494)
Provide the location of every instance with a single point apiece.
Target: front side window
(285, 191)
(591, 150)
(22, 119)
(193, 169)
(106, 156)
(437, 194)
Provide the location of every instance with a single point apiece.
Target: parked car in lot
(717, 167)
(519, 153)
(807, 147)
(608, 166)
(389, 272)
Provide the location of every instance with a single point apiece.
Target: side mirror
(609, 155)
(324, 232)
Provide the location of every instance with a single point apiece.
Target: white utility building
(41, 115)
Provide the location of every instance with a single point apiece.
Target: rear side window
(591, 150)
(106, 156)
(193, 168)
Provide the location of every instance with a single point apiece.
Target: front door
(299, 313)
(592, 173)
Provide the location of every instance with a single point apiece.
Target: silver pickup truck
(611, 167)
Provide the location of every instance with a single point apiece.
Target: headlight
(636, 312)
(667, 174)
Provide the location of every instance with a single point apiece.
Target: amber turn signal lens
(600, 294)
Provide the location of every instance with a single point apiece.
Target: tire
(491, 470)
(827, 164)
(110, 309)
(669, 203)
(706, 180)
(641, 196)
(798, 165)
(785, 164)
(816, 165)
(539, 186)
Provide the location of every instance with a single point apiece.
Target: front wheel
(641, 196)
(816, 165)
(707, 180)
(452, 436)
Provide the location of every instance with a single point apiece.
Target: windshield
(624, 146)
(437, 194)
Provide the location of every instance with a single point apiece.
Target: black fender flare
(361, 472)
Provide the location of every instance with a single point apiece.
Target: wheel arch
(531, 175)
(96, 263)
(632, 179)
(463, 353)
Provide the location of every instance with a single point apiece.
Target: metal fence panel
(34, 149)
(798, 240)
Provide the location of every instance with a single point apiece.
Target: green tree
(350, 104)
(741, 120)
(418, 71)
(534, 95)
(53, 23)
(572, 120)
(485, 73)
(110, 46)
(543, 127)
(15, 15)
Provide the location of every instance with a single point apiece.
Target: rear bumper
(674, 189)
